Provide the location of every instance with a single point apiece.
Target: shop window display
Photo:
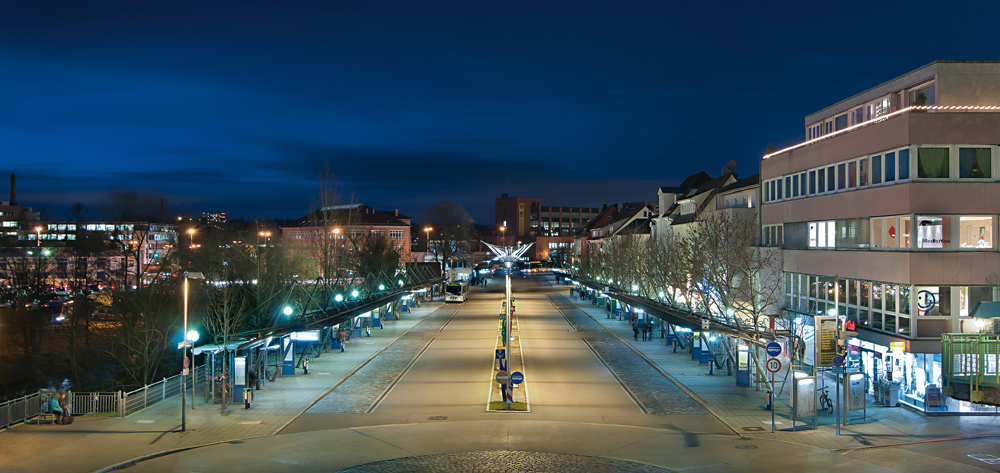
(976, 232)
(933, 232)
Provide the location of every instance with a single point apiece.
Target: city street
(413, 397)
(591, 407)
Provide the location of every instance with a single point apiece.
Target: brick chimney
(13, 190)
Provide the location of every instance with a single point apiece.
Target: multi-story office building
(887, 214)
(552, 229)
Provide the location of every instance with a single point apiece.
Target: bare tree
(137, 331)
(742, 282)
(375, 254)
(452, 231)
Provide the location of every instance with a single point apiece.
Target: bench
(45, 417)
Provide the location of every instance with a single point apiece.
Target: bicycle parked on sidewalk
(824, 400)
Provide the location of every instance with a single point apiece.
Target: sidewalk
(743, 408)
(94, 443)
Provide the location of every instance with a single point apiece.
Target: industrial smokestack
(13, 190)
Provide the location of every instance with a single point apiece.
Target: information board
(804, 397)
(826, 341)
(854, 392)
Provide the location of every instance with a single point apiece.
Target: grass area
(502, 406)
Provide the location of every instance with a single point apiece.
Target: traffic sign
(501, 353)
(782, 333)
(773, 365)
(516, 377)
(773, 349)
(502, 377)
(704, 324)
(838, 361)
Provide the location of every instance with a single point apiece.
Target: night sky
(236, 106)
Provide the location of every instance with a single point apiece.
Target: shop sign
(897, 346)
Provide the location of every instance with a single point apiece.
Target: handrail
(19, 410)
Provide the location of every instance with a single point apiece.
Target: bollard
(767, 398)
(247, 395)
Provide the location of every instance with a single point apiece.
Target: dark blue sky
(236, 106)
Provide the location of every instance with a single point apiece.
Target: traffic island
(506, 378)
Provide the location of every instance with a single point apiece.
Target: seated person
(55, 408)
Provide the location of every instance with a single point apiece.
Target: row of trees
(714, 268)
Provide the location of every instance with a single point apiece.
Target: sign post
(773, 366)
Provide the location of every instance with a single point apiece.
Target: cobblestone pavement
(502, 461)
(657, 394)
(356, 394)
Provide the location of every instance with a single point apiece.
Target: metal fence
(109, 403)
(971, 358)
(148, 395)
(20, 409)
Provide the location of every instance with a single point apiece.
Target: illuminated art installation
(508, 254)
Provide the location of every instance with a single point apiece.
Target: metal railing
(20, 409)
(118, 404)
(971, 358)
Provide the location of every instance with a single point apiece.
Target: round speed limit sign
(773, 365)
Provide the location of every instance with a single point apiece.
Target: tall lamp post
(266, 236)
(38, 237)
(191, 232)
(427, 231)
(185, 344)
(336, 237)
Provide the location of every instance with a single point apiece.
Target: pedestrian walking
(642, 327)
(635, 330)
(342, 336)
(649, 332)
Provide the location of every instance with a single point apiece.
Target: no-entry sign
(502, 377)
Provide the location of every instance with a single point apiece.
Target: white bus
(456, 292)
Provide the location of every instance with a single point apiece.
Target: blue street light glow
(192, 336)
(338, 298)
(354, 294)
(288, 310)
(381, 287)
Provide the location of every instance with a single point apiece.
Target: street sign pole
(772, 402)
(773, 366)
(836, 372)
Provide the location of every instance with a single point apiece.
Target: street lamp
(427, 231)
(185, 344)
(503, 236)
(38, 238)
(191, 232)
(336, 236)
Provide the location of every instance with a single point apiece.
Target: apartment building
(886, 216)
(339, 225)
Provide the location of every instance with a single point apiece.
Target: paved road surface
(596, 405)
